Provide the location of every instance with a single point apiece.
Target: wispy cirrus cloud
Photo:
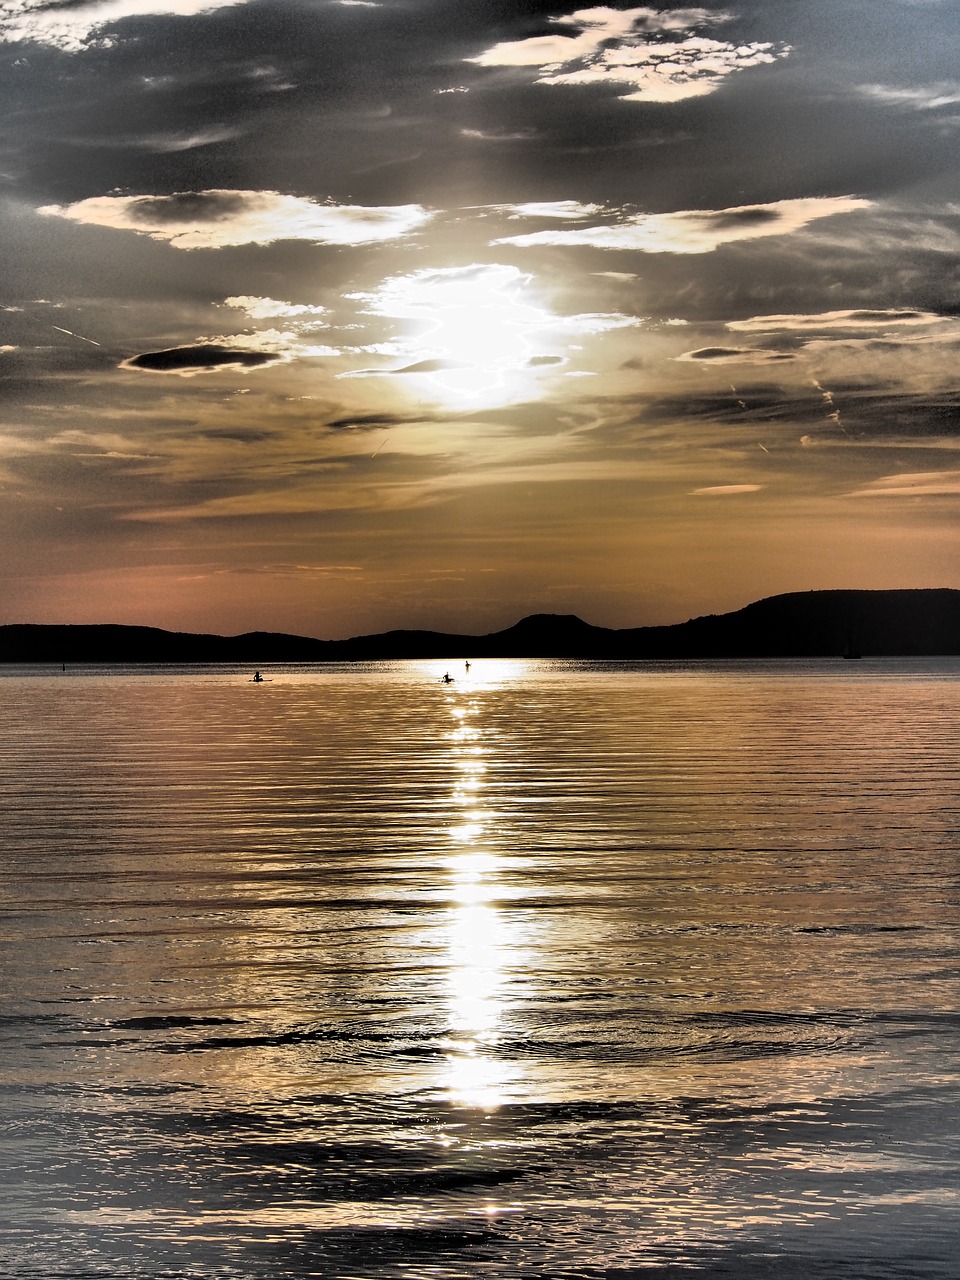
(567, 210)
(842, 321)
(189, 140)
(73, 27)
(915, 484)
(696, 230)
(217, 219)
(626, 48)
(724, 490)
(945, 93)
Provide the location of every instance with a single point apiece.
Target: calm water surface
(561, 970)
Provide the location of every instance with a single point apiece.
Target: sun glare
(475, 336)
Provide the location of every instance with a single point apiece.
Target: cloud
(734, 355)
(217, 219)
(173, 143)
(844, 321)
(235, 351)
(912, 485)
(597, 321)
(367, 421)
(722, 490)
(498, 135)
(271, 308)
(74, 27)
(568, 210)
(435, 364)
(920, 98)
(696, 230)
(481, 329)
(625, 48)
(200, 358)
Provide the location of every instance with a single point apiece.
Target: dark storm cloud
(199, 359)
(202, 102)
(186, 207)
(735, 218)
(734, 355)
(367, 421)
(197, 101)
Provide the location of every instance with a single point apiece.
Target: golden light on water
(479, 945)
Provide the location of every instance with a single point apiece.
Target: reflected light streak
(473, 676)
(477, 941)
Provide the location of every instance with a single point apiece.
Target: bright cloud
(626, 48)
(696, 230)
(921, 98)
(171, 144)
(217, 219)
(477, 334)
(841, 320)
(467, 329)
(283, 343)
(912, 485)
(568, 210)
(596, 322)
(271, 308)
(722, 490)
(73, 27)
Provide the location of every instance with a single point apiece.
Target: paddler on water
(257, 677)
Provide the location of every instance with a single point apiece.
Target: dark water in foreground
(557, 971)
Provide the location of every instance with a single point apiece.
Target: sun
(473, 336)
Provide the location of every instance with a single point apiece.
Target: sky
(334, 316)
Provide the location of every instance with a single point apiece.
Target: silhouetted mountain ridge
(798, 624)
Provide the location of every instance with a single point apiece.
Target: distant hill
(800, 624)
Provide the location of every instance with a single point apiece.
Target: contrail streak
(70, 332)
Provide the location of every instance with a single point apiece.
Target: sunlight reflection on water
(552, 969)
(479, 940)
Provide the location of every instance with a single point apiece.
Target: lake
(569, 970)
